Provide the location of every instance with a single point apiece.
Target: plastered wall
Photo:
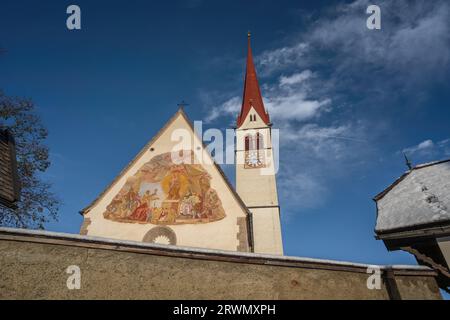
(34, 267)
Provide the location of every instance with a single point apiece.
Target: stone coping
(57, 238)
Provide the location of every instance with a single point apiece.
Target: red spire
(252, 94)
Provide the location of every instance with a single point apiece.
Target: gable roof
(180, 112)
(419, 198)
(403, 176)
(252, 93)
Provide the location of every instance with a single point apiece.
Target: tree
(37, 204)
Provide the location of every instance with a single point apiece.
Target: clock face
(253, 159)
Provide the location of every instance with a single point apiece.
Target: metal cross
(182, 104)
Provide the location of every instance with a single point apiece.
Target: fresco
(162, 192)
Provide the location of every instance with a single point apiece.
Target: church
(171, 197)
(171, 226)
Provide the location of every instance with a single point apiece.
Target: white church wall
(267, 231)
(221, 233)
(257, 186)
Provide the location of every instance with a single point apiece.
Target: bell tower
(255, 169)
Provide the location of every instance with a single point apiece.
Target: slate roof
(421, 196)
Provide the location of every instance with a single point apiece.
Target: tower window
(254, 155)
(259, 141)
(254, 142)
(247, 143)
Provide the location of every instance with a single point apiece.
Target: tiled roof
(252, 94)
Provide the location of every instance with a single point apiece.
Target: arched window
(259, 141)
(247, 143)
(254, 142)
(254, 155)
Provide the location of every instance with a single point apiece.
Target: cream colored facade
(257, 187)
(229, 233)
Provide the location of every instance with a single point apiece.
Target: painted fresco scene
(164, 192)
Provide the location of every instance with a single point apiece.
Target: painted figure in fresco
(182, 194)
(113, 209)
(152, 198)
(188, 205)
(212, 206)
(130, 203)
(143, 210)
(172, 212)
(174, 188)
(169, 212)
(156, 215)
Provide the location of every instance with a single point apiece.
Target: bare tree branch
(38, 205)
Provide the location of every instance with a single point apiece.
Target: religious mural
(163, 192)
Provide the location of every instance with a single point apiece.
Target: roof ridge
(404, 175)
(428, 164)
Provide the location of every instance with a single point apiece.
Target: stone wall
(33, 266)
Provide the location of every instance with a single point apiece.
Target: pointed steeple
(252, 94)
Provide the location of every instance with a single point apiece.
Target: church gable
(167, 193)
(171, 197)
(253, 120)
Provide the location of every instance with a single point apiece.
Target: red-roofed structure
(252, 94)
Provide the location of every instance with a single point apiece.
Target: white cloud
(444, 146)
(296, 78)
(231, 107)
(324, 142)
(311, 156)
(286, 100)
(429, 150)
(295, 107)
(301, 189)
(279, 58)
(307, 84)
(424, 146)
(414, 41)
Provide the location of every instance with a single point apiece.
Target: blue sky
(347, 99)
